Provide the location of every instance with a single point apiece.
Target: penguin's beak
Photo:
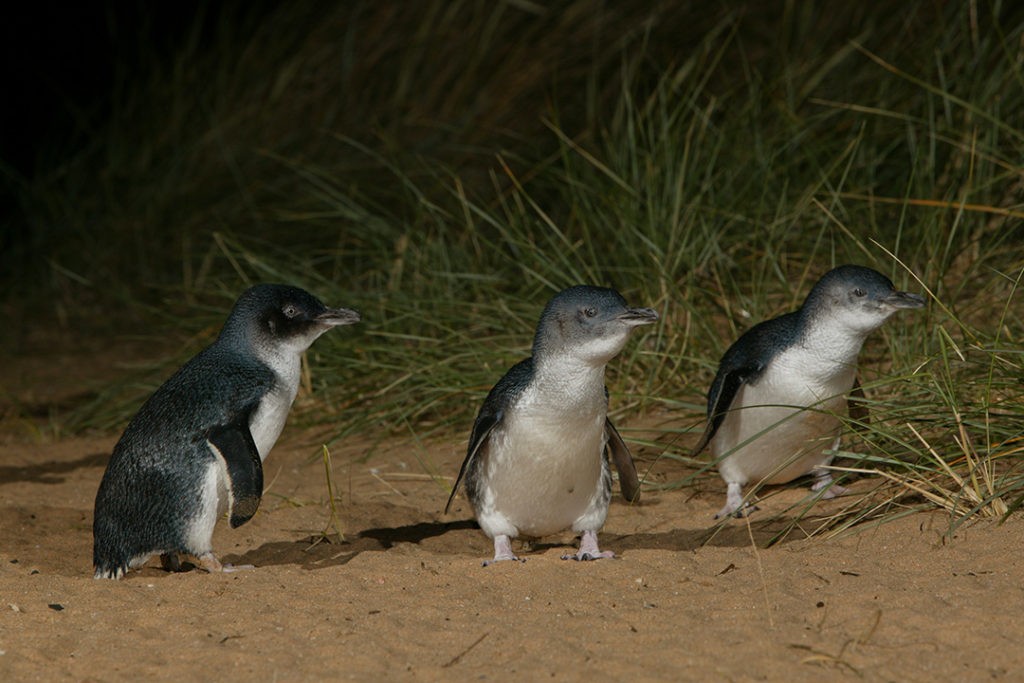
(638, 316)
(904, 300)
(333, 317)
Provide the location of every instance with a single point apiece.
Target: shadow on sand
(49, 472)
(318, 552)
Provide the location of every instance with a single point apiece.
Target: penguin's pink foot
(589, 549)
(502, 551)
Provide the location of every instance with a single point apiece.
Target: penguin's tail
(110, 571)
(109, 559)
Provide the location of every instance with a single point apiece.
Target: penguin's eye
(290, 310)
(590, 312)
(859, 293)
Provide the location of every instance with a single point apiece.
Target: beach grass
(446, 167)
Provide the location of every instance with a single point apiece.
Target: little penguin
(774, 406)
(196, 448)
(537, 461)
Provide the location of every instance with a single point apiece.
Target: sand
(405, 597)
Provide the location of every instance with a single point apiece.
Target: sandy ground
(405, 597)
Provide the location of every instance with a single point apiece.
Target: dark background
(61, 62)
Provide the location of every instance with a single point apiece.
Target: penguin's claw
(835, 490)
(738, 513)
(589, 550)
(734, 503)
(587, 557)
(832, 490)
(209, 562)
(488, 563)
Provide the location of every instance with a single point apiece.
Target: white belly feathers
(546, 468)
(779, 426)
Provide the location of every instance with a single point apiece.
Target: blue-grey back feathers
(861, 297)
(149, 496)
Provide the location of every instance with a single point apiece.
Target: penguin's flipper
(499, 401)
(727, 382)
(234, 443)
(620, 456)
(485, 423)
(744, 362)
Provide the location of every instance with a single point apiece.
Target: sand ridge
(405, 596)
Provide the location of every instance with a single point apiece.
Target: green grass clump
(445, 167)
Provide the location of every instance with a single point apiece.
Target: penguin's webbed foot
(488, 563)
(170, 562)
(734, 505)
(503, 551)
(824, 481)
(587, 557)
(589, 549)
(739, 513)
(208, 562)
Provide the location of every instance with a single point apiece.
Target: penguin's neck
(267, 422)
(567, 384)
(829, 349)
(287, 366)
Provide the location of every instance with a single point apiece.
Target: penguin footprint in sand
(537, 461)
(196, 447)
(773, 407)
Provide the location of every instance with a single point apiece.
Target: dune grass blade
(445, 167)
